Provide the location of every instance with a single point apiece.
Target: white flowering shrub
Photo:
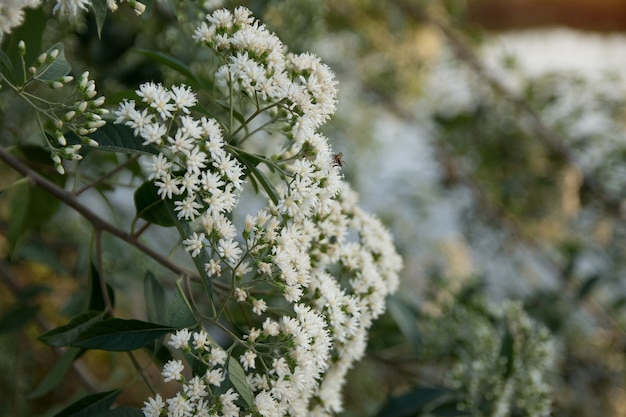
(310, 289)
(289, 289)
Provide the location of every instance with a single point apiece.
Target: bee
(338, 160)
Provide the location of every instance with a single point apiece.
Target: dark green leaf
(58, 68)
(174, 63)
(65, 335)
(31, 32)
(251, 161)
(151, 207)
(155, 298)
(116, 138)
(31, 207)
(6, 63)
(100, 10)
(507, 352)
(178, 312)
(588, 286)
(121, 412)
(414, 402)
(406, 320)
(90, 405)
(120, 335)
(237, 377)
(96, 298)
(57, 373)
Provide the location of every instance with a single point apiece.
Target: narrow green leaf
(237, 377)
(116, 138)
(251, 164)
(155, 298)
(120, 335)
(414, 402)
(57, 373)
(58, 68)
(90, 405)
(31, 32)
(406, 320)
(6, 63)
(507, 352)
(30, 206)
(588, 286)
(150, 207)
(174, 63)
(100, 10)
(178, 311)
(65, 335)
(121, 412)
(96, 302)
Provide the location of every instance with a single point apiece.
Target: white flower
(194, 244)
(259, 306)
(214, 376)
(153, 407)
(172, 371)
(178, 406)
(265, 404)
(183, 98)
(247, 360)
(71, 7)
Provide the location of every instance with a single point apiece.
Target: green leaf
(178, 311)
(90, 405)
(57, 69)
(174, 63)
(507, 352)
(100, 10)
(155, 298)
(57, 373)
(65, 335)
(406, 320)
(251, 161)
(150, 207)
(31, 32)
(121, 412)
(237, 377)
(96, 298)
(6, 63)
(588, 286)
(414, 402)
(121, 335)
(116, 138)
(30, 206)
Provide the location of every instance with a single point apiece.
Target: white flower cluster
(311, 268)
(12, 11)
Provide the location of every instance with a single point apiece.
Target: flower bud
(52, 56)
(56, 84)
(69, 115)
(82, 106)
(58, 123)
(21, 48)
(61, 139)
(99, 102)
(41, 59)
(67, 79)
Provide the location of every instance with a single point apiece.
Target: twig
(96, 221)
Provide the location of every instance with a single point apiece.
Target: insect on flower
(338, 160)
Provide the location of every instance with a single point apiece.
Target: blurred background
(490, 137)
